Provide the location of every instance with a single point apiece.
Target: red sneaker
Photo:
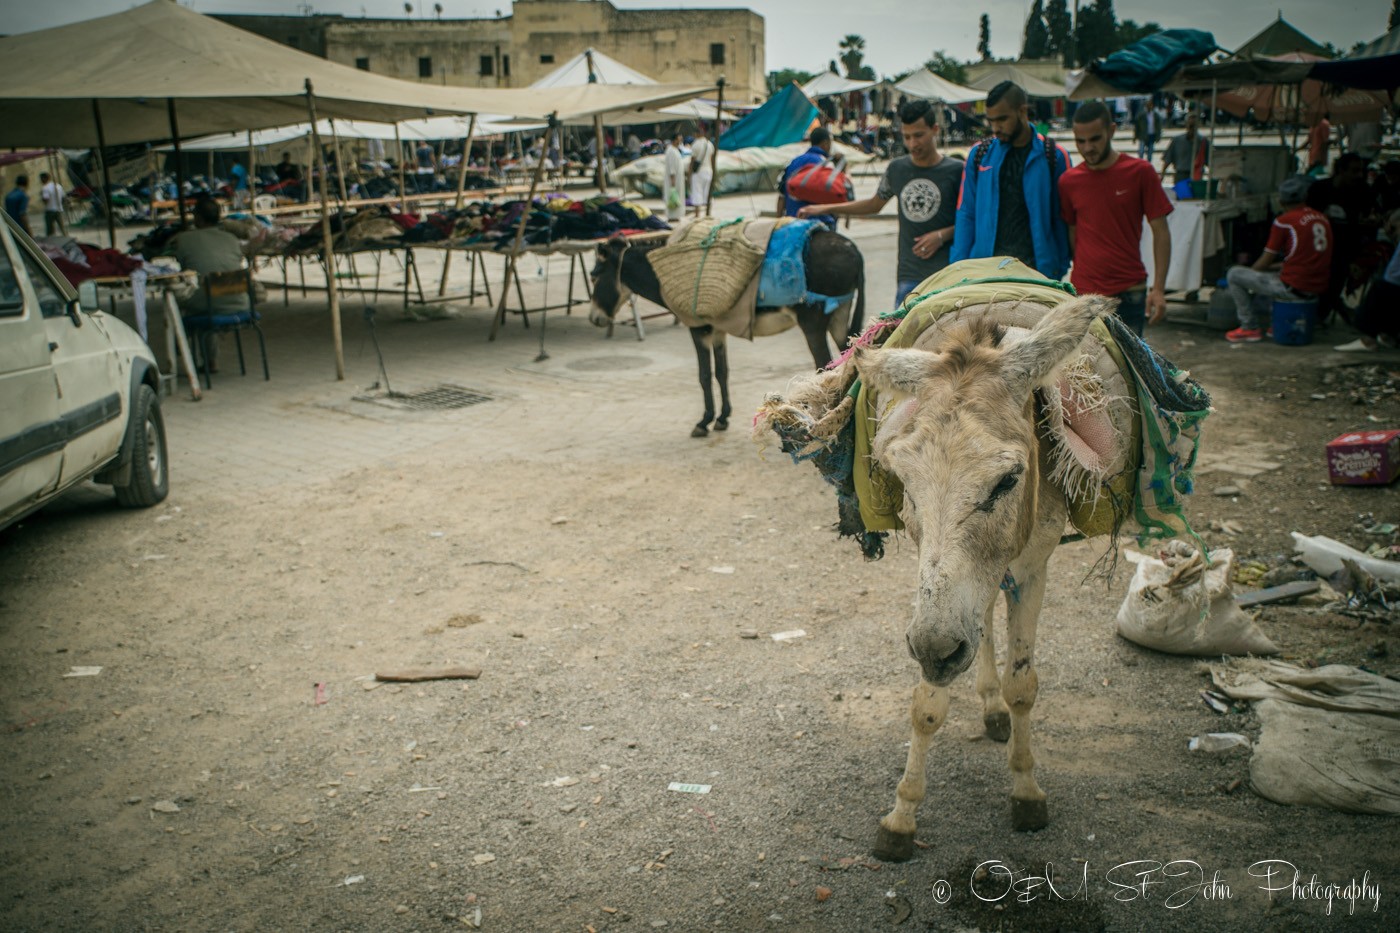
(1245, 335)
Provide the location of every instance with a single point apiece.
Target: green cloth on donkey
(1112, 464)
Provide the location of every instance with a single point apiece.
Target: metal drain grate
(436, 398)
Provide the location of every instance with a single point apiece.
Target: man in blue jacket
(1010, 203)
(820, 151)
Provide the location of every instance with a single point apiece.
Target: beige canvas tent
(223, 78)
(1035, 87)
(929, 86)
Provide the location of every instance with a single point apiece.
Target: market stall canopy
(1032, 85)
(1375, 65)
(929, 86)
(593, 68)
(1279, 38)
(432, 128)
(134, 61)
(831, 84)
(1303, 101)
(784, 118)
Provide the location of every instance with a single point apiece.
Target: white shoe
(1356, 346)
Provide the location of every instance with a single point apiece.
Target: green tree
(948, 68)
(1059, 28)
(777, 80)
(1097, 35)
(1036, 41)
(984, 41)
(852, 54)
(1129, 32)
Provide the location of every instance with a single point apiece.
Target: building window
(487, 70)
(425, 67)
(546, 59)
(362, 64)
(716, 53)
(505, 66)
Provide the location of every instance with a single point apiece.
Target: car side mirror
(75, 312)
(87, 294)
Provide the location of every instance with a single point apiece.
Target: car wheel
(149, 481)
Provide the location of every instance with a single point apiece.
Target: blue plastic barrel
(1294, 322)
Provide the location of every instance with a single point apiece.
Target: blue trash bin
(1294, 322)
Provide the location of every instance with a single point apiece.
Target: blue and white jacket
(975, 232)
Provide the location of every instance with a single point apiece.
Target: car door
(31, 430)
(87, 368)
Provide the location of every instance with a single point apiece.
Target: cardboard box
(1364, 458)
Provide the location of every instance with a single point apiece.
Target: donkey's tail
(858, 314)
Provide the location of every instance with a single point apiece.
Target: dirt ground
(201, 782)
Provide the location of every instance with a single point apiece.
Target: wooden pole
(339, 164)
(714, 147)
(106, 177)
(520, 237)
(326, 238)
(1211, 166)
(457, 203)
(252, 172)
(179, 160)
(403, 186)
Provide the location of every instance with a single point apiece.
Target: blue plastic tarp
(784, 118)
(1147, 65)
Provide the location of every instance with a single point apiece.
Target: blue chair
(204, 328)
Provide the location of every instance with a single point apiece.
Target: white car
(79, 390)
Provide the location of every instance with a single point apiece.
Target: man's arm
(1071, 228)
(1161, 262)
(965, 221)
(859, 208)
(1266, 261)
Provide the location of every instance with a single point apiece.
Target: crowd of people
(1335, 240)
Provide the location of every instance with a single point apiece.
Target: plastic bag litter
(1181, 604)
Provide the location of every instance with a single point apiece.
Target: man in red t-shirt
(1301, 239)
(1104, 200)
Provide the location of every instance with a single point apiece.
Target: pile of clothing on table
(82, 261)
(257, 235)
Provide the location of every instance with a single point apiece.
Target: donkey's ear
(1055, 336)
(900, 370)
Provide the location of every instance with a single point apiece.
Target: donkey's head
(961, 438)
(609, 292)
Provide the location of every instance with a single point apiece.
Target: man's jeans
(1248, 286)
(902, 290)
(1145, 147)
(1132, 310)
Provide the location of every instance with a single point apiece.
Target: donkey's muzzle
(942, 657)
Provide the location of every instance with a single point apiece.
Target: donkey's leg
(1019, 688)
(701, 337)
(812, 319)
(996, 719)
(722, 377)
(894, 841)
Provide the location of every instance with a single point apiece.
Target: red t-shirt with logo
(1303, 237)
(1106, 208)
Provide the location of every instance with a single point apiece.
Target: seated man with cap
(1295, 265)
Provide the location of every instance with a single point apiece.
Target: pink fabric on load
(1088, 434)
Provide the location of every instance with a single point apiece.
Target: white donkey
(962, 439)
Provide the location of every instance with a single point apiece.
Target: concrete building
(669, 45)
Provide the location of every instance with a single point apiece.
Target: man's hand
(1156, 306)
(928, 244)
(810, 210)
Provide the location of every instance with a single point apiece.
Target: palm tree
(852, 51)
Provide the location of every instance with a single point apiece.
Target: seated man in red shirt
(1301, 239)
(1104, 200)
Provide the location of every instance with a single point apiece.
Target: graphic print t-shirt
(928, 200)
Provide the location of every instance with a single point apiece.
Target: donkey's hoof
(722, 424)
(699, 431)
(893, 847)
(998, 726)
(1029, 815)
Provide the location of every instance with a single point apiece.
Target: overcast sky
(899, 34)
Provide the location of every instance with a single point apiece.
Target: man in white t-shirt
(700, 175)
(51, 192)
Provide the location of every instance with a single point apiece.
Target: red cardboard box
(1364, 458)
